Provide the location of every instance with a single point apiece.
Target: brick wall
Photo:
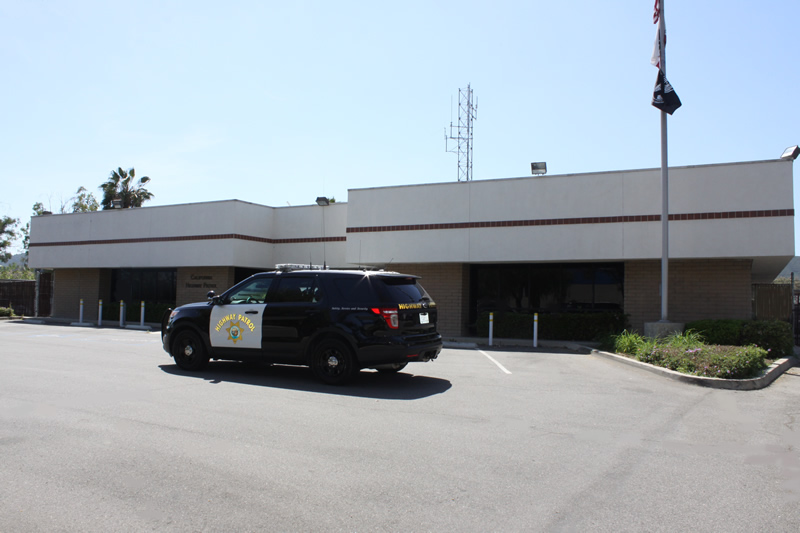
(698, 289)
(448, 285)
(195, 282)
(72, 284)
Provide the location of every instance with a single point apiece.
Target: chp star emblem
(234, 332)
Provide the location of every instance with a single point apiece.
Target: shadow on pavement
(366, 384)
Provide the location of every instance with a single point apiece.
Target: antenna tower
(466, 114)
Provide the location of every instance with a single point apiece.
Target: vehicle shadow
(366, 384)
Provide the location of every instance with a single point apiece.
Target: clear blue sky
(280, 102)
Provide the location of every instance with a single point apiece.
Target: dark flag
(664, 96)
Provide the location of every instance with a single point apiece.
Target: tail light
(389, 315)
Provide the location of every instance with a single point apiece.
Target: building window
(543, 288)
(148, 284)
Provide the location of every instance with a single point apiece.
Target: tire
(333, 362)
(392, 368)
(189, 352)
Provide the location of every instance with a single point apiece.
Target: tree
(84, 201)
(7, 235)
(120, 186)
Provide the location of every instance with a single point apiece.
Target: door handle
(251, 312)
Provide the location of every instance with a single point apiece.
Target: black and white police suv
(334, 321)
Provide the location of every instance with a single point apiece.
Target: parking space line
(493, 360)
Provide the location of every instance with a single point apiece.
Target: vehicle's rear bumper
(400, 350)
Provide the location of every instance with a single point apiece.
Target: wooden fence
(20, 295)
(772, 301)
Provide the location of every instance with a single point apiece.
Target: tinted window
(403, 289)
(296, 289)
(151, 285)
(354, 289)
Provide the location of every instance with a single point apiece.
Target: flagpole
(664, 179)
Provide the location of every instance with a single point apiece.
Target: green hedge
(6, 311)
(554, 326)
(153, 311)
(775, 336)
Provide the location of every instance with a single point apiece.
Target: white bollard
(100, 313)
(141, 315)
(80, 313)
(491, 328)
(121, 313)
(535, 330)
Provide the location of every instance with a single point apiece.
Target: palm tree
(119, 187)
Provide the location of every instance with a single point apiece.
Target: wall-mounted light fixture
(538, 168)
(323, 201)
(791, 153)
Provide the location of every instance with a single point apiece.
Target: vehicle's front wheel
(189, 352)
(333, 362)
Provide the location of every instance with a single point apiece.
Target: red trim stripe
(221, 236)
(574, 221)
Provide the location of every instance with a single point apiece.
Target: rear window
(402, 290)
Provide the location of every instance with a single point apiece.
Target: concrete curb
(770, 374)
(462, 345)
(140, 328)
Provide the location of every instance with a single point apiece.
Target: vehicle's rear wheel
(392, 368)
(333, 362)
(189, 352)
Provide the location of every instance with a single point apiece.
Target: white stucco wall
(728, 188)
(303, 234)
(209, 219)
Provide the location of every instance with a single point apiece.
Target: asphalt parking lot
(100, 431)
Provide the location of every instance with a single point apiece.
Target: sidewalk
(108, 324)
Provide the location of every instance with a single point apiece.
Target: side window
(254, 292)
(355, 289)
(296, 289)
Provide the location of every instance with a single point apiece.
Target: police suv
(334, 321)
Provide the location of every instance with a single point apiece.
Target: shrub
(726, 331)
(772, 335)
(688, 354)
(6, 311)
(554, 326)
(628, 342)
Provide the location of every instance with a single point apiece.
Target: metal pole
(121, 313)
(80, 313)
(792, 315)
(141, 315)
(491, 328)
(535, 330)
(664, 181)
(100, 313)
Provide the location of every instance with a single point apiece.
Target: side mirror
(211, 295)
